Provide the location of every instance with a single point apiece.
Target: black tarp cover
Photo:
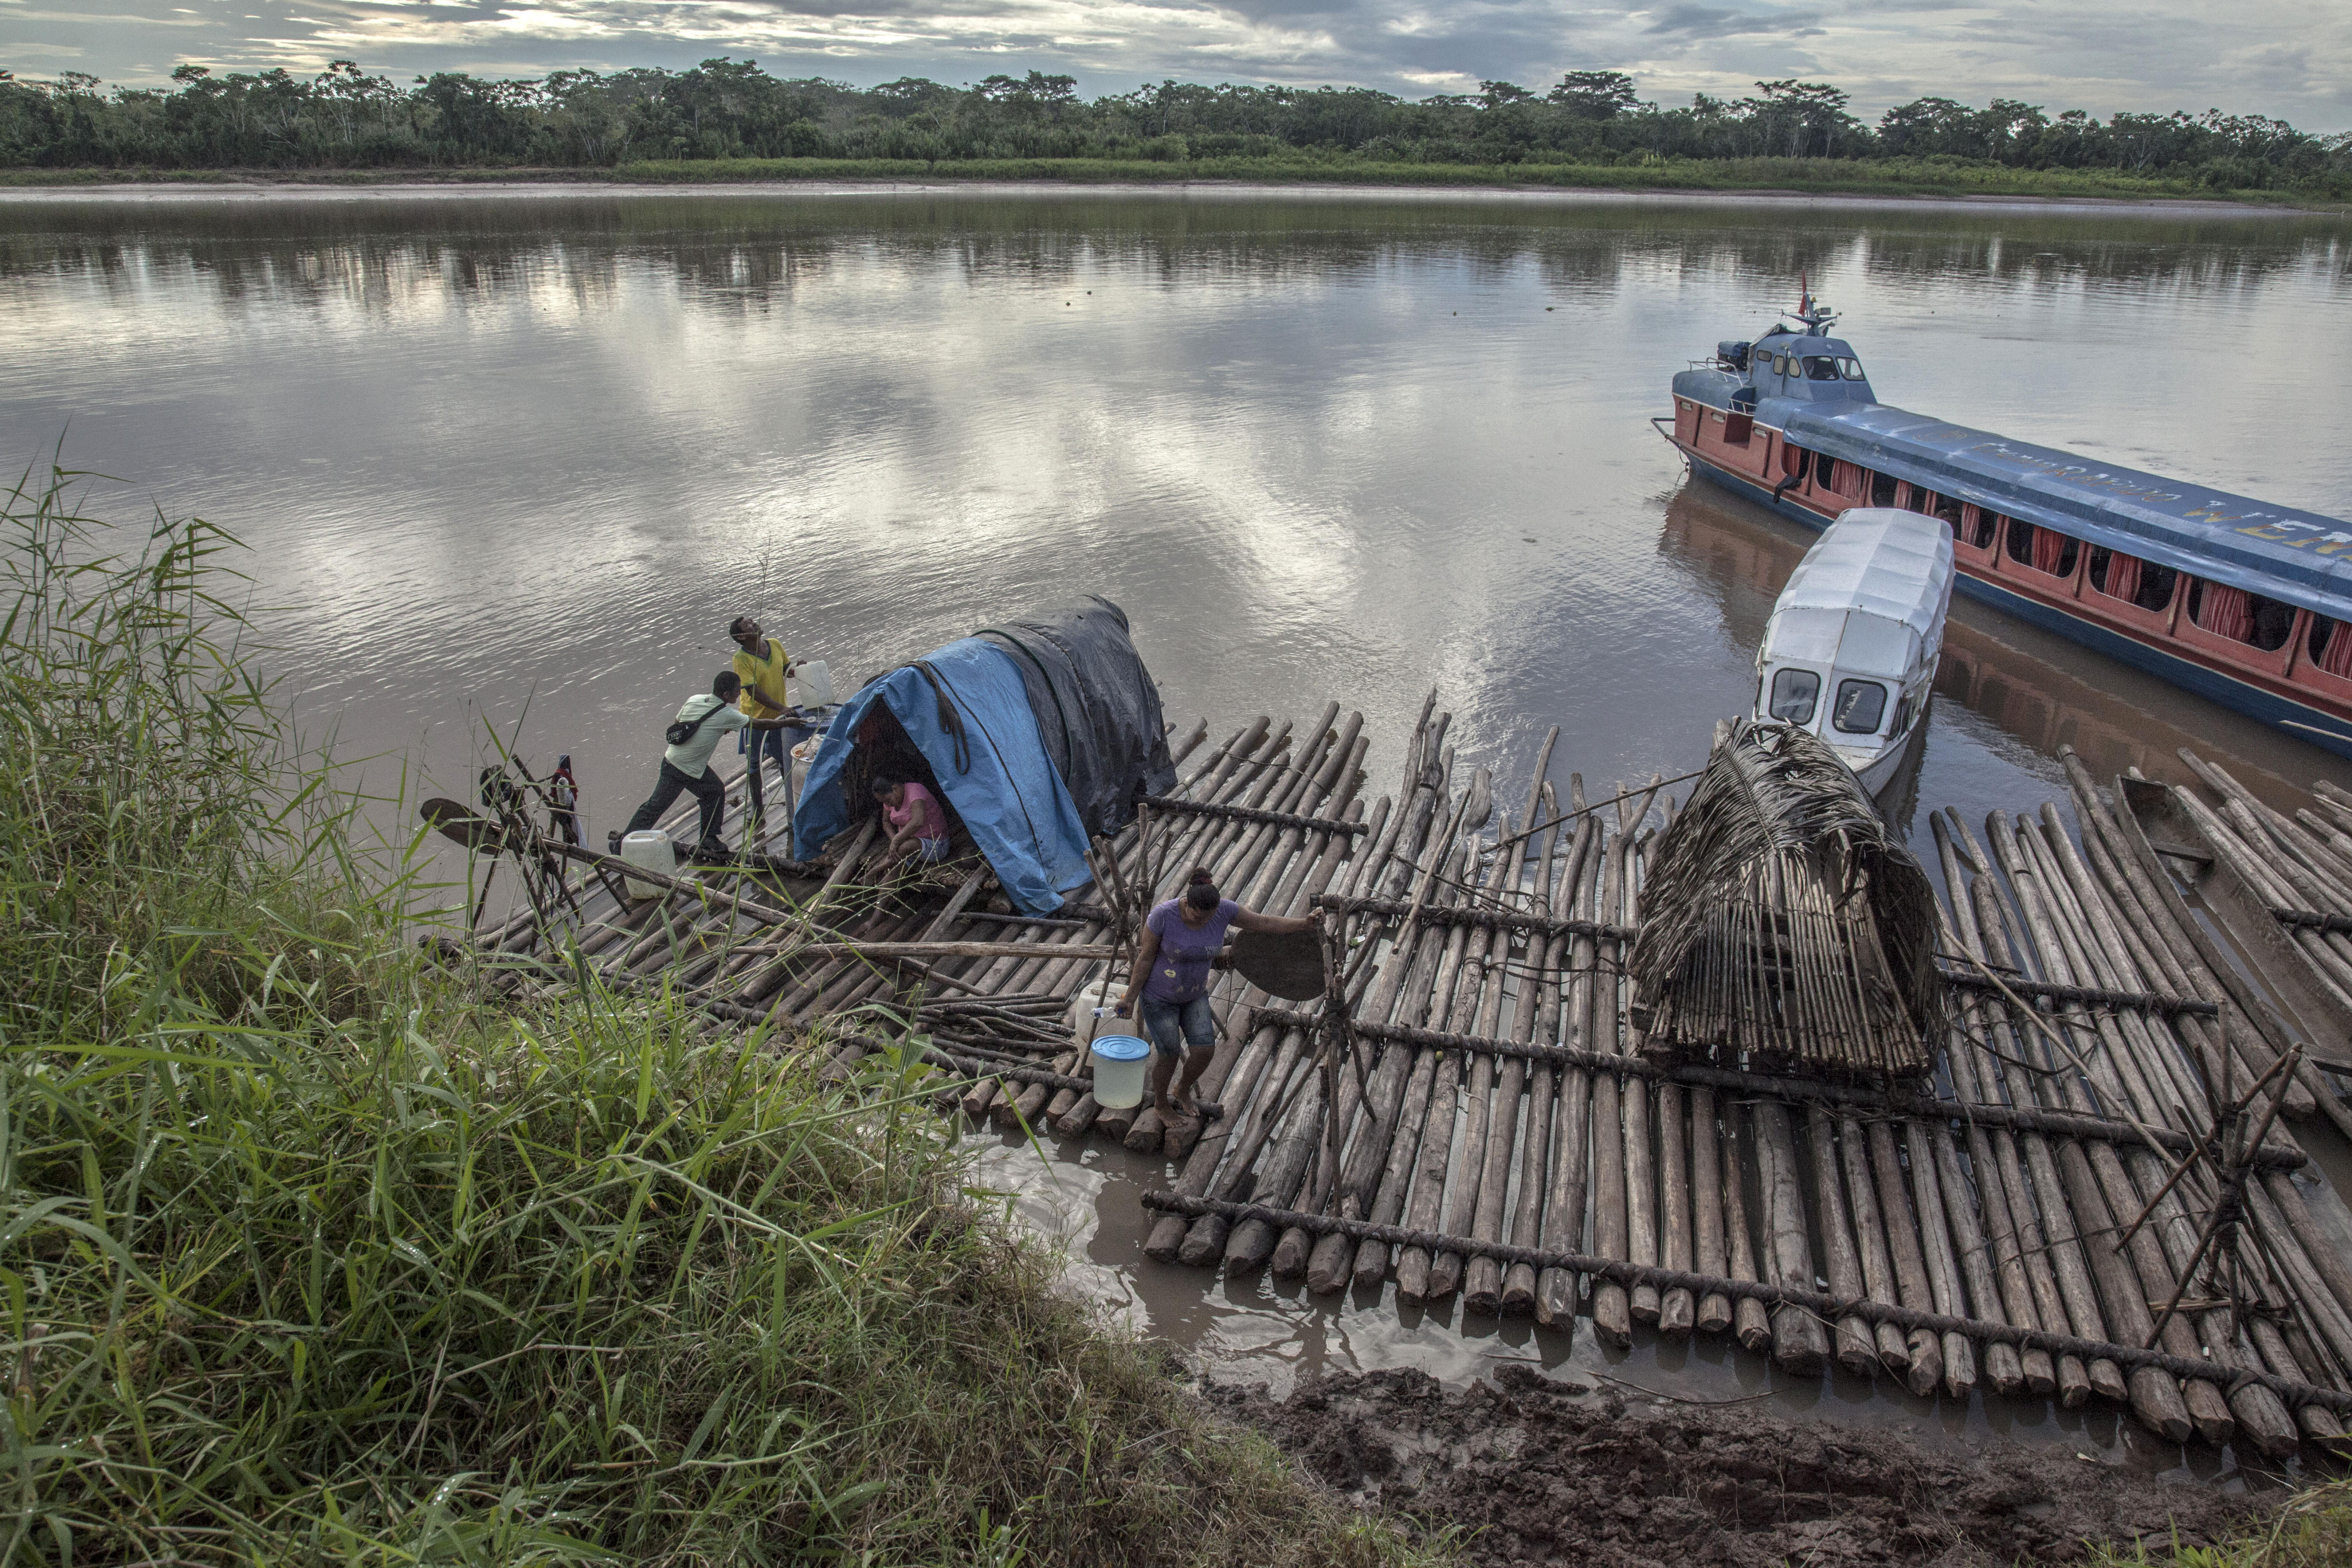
(1096, 707)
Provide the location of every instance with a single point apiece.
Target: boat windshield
(1851, 367)
(1794, 691)
(1820, 367)
(1861, 704)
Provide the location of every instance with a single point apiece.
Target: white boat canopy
(1868, 598)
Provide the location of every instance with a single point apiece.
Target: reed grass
(314, 1253)
(2312, 1531)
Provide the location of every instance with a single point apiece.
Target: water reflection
(520, 457)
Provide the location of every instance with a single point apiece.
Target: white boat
(1850, 653)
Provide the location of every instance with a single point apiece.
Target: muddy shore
(1530, 1470)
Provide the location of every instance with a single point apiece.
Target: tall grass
(311, 1254)
(2313, 1530)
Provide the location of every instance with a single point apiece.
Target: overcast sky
(2291, 59)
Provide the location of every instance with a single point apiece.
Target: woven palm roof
(1783, 928)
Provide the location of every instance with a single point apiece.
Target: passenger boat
(2242, 601)
(1851, 651)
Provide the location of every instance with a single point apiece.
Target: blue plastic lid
(1120, 1048)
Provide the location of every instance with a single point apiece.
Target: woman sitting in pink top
(919, 828)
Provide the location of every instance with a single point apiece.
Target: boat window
(1820, 367)
(1861, 704)
(2331, 647)
(1982, 527)
(1852, 369)
(1793, 693)
(1795, 460)
(1881, 489)
(1923, 500)
(2142, 582)
(2042, 549)
(2234, 612)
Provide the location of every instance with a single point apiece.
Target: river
(513, 459)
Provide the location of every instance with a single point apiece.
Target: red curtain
(2123, 575)
(2225, 613)
(2336, 658)
(2048, 549)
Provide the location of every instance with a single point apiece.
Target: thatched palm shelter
(1782, 927)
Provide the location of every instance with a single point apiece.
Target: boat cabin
(1851, 650)
(2241, 601)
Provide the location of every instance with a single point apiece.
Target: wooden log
(1857, 1350)
(1332, 1261)
(1518, 1280)
(1925, 1368)
(1294, 1246)
(2156, 1398)
(2047, 1307)
(1714, 1314)
(1294, 1249)
(1930, 1206)
(1750, 1324)
(1566, 1188)
(2096, 1180)
(1642, 1176)
(1476, 1205)
(1798, 1343)
(2169, 1247)
(1875, 1259)
(1253, 1242)
(1677, 1309)
(1613, 1306)
(2048, 1192)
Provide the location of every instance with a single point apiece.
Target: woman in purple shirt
(1181, 940)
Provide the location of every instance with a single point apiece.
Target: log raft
(2031, 1218)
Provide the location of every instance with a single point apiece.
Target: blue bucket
(1121, 1062)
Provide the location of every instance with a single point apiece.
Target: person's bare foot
(1167, 1108)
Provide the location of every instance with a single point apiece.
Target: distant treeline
(344, 118)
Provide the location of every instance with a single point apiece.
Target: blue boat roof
(2300, 557)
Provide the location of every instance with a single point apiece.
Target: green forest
(725, 112)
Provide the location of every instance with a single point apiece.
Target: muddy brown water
(516, 457)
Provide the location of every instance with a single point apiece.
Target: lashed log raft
(1496, 1128)
(1820, 1304)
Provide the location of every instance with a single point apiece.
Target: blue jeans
(1174, 1024)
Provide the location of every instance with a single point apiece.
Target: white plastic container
(1122, 1063)
(803, 755)
(812, 684)
(649, 850)
(1090, 1013)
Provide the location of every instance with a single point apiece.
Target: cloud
(2291, 59)
(1712, 23)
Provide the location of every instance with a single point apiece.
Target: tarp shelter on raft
(1037, 733)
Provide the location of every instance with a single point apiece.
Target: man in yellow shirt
(761, 663)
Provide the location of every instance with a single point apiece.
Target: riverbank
(1533, 1471)
(1925, 180)
(317, 1251)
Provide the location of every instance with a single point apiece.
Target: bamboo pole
(1519, 1281)
(1564, 1202)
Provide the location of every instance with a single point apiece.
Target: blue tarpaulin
(1000, 780)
